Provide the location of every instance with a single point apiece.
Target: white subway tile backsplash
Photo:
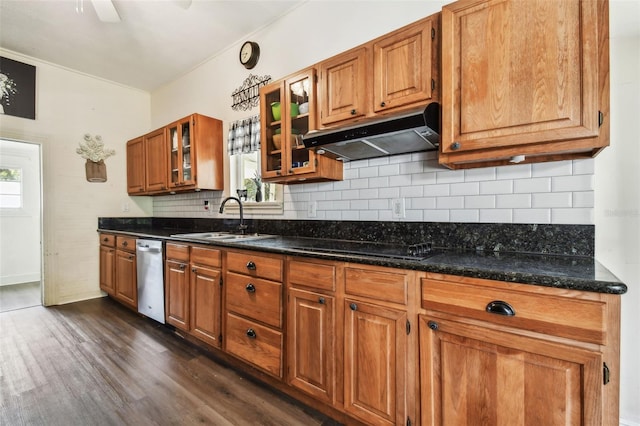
(583, 199)
(423, 179)
(552, 168)
(466, 216)
(513, 201)
(388, 193)
(572, 216)
(496, 215)
(450, 176)
(437, 190)
(531, 215)
(532, 185)
(450, 202)
(467, 188)
(473, 175)
(516, 171)
(549, 200)
(572, 183)
(584, 167)
(400, 180)
(560, 192)
(496, 187)
(389, 170)
(435, 215)
(425, 203)
(480, 202)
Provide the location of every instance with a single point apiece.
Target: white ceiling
(160, 40)
(155, 42)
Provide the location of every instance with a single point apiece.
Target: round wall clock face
(249, 54)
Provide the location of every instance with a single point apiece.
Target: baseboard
(18, 279)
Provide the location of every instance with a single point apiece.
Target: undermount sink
(223, 236)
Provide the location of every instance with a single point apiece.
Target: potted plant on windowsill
(95, 153)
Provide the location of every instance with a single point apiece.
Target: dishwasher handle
(149, 249)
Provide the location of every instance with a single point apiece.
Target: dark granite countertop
(550, 270)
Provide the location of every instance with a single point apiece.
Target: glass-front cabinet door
(181, 167)
(272, 130)
(287, 108)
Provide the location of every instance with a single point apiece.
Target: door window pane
(10, 188)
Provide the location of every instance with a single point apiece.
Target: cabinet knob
(501, 308)
(251, 333)
(383, 104)
(353, 112)
(433, 325)
(131, 257)
(455, 146)
(251, 266)
(321, 300)
(105, 239)
(124, 243)
(290, 170)
(194, 269)
(250, 288)
(182, 266)
(353, 307)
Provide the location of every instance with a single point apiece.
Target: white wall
(68, 105)
(560, 192)
(20, 258)
(617, 209)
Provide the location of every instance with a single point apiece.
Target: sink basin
(223, 236)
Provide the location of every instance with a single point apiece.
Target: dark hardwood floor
(96, 363)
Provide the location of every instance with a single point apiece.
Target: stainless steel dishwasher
(149, 256)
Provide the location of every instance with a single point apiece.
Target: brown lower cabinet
(383, 346)
(118, 268)
(193, 301)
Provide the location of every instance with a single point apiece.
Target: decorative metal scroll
(248, 95)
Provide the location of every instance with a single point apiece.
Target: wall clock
(249, 54)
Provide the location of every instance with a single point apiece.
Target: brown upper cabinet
(523, 81)
(288, 111)
(146, 164)
(398, 70)
(184, 156)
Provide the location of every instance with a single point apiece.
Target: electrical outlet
(312, 209)
(397, 208)
(207, 206)
(125, 206)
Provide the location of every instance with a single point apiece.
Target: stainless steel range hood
(399, 134)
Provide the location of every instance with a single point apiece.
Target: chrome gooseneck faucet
(242, 226)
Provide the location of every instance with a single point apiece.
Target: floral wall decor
(93, 150)
(17, 89)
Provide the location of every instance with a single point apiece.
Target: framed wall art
(17, 88)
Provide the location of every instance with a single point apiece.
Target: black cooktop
(364, 248)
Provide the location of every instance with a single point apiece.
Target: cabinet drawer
(553, 313)
(255, 298)
(126, 243)
(254, 343)
(177, 252)
(108, 240)
(377, 284)
(311, 274)
(255, 265)
(205, 256)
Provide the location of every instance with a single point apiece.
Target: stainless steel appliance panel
(150, 275)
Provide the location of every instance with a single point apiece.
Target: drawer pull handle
(251, 266)
(433, 325)
(251, 333)
(321, 300)
(250, 288)
(501, 308)
(353, 307)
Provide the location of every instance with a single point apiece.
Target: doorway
(20, 225)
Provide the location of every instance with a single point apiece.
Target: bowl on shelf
(303, 108)
(294, 110)
(275, 110)
(277, 141)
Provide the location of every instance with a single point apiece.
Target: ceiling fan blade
(106, 11)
